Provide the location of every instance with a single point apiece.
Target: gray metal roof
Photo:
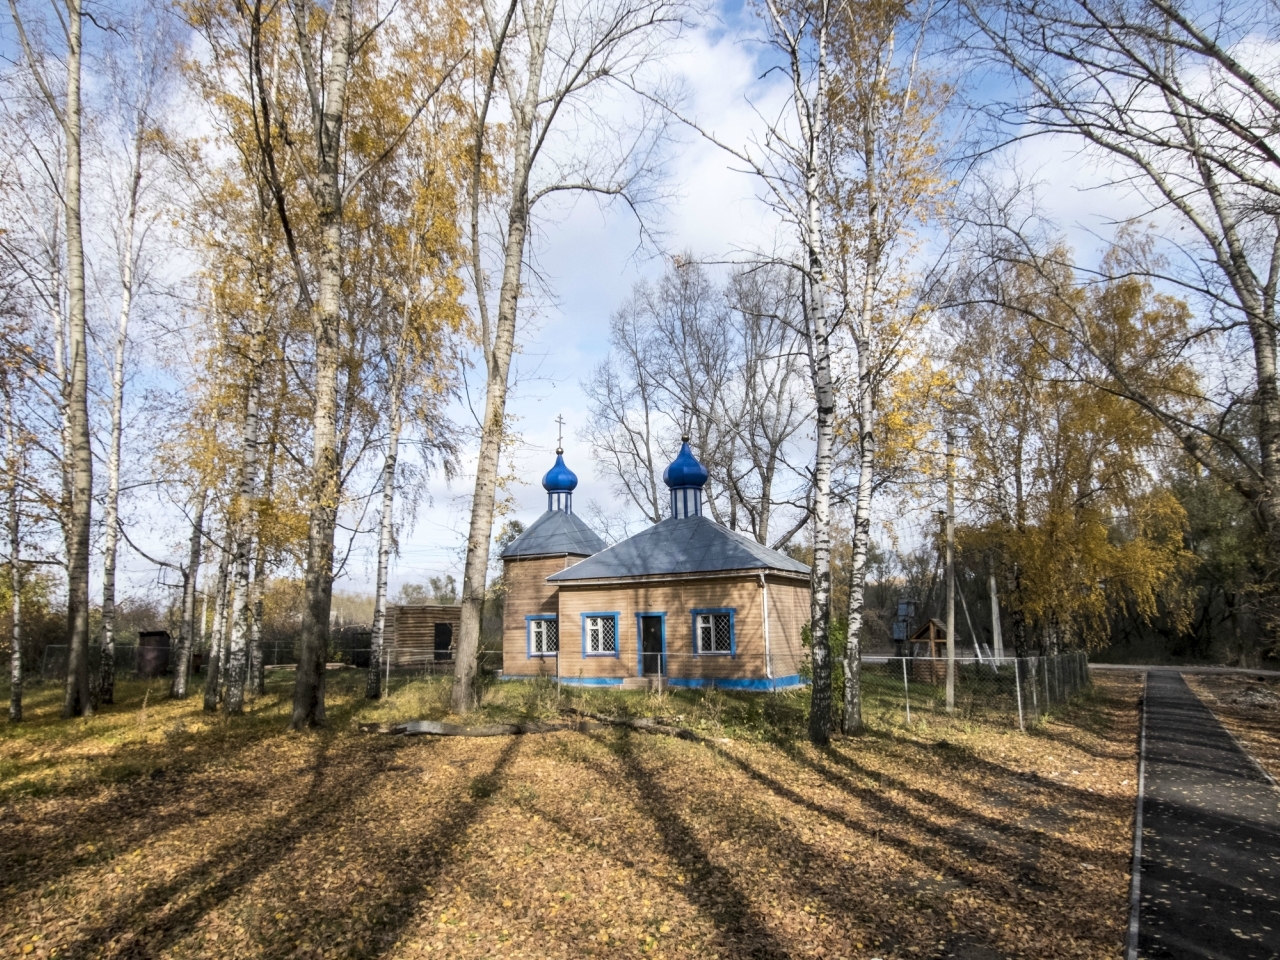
(687, 545)
(555, 533)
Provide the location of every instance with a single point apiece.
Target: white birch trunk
(373, 686)
(78, 699)
(864, 334)
(257, 662)
(255, 685)
(820, 604)
(213, 672)
(15, 568)
(497, 358)
(482, 501)
(951, 577)
(812, 120)
(187, 635)
(386, 530)
(107, 669)
(852, 712)
(330, 108)
(243, 511)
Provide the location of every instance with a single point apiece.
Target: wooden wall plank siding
(528, 593)
(412, 631)
(788, 612)
(788, 616)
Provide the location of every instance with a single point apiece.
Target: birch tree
(550, 65)
(1179, 104)
(884, 182)
(77, 700)
(217, 651)
(13, 474)
(137, 76)
(789, 162)
(420, 241)
(187, 629)
(240, 519)
(305, 66)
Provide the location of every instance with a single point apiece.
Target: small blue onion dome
(559, 479)
(685, 470)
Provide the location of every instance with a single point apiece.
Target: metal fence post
(1017, 685)
(1035, 690)
(906, 690)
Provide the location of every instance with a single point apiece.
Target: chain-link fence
(1013, 691)
(400, 666)
(128, 657)
(403, 666)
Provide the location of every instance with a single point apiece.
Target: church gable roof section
(555, 533)
(690, 545)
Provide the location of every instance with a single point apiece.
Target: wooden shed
(153, 653)
(422, 634)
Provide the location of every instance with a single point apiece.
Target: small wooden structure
(929, 644)
(422, 634)
(153, 653)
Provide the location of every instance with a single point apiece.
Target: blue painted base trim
(738, 683)
(724, 683)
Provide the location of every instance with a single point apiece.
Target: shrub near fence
(1013, 691)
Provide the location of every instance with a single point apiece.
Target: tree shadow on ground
(157, 916)
(711, 888)
(1061, 796)
(135, 791)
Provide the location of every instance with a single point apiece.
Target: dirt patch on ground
(157, 832)
(1248, 706)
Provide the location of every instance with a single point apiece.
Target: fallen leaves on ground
(1249, 706)
(189, 836)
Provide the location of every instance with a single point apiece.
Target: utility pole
(951, 575)
(997, 640)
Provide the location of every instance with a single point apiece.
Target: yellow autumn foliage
(1059, 473)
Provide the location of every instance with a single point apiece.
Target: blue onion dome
(559, 479)
(685, 470)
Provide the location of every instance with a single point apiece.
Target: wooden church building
(685, 602)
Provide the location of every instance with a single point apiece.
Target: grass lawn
(156, 830)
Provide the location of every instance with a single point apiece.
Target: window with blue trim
(713, 632)
(600, 634)
(544, 636)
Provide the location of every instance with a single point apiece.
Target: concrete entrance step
(644, 683)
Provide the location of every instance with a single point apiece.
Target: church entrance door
(652, 661)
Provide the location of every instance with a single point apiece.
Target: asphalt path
(1210, 878)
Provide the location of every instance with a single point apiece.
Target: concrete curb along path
(1135, 886)
(1209, 846)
